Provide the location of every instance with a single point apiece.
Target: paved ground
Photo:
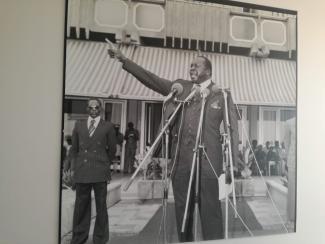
(129, 217)
(134, 221)
(267, 216)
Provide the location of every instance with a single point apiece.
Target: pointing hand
(114, 52)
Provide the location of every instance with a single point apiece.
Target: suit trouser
(82, 213)
(209, 208)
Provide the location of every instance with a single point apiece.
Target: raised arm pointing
(147, 78)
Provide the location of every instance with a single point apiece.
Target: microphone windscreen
(178, 88)
(205, 92)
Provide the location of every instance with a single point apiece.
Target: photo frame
(253, 54)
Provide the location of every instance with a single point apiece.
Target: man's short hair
(94, 99)
(207, 63)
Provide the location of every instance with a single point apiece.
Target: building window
(269, 125)
(113, 112)
(284, 116)
(153, 121)
(272, 123)
(243, 28)
(112, 13)
(73, 109)
(287, 114)
(243, 125)
(150, 125)
(273, 32)
(149, 17)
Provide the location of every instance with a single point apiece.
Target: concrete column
(252, 115)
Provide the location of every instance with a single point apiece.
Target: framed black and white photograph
(179, 121)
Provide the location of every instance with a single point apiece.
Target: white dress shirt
(97, 119)
(205, 84)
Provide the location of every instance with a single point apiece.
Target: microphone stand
(163, 131)
(165, 189)
(228, 161)
(150, 151)
(165, 183)
(195, 162)
(170, 119)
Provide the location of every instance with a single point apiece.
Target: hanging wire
(262, 177)
(162, 223)
(178, 141)
(243, 222)
(164, 215)
(237, 214)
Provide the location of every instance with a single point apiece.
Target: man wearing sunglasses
(93, 148)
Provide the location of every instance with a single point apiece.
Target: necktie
(92, 127)
(197, 95)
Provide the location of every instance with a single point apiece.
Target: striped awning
(90, 72)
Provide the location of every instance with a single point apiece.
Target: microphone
(205, 93)
(177, 89)
(195, 90)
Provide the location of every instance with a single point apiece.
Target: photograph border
(225, 2)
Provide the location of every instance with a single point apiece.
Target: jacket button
(86, 150)
(85, 160)
(94, 151)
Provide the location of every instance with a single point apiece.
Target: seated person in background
(267, 147)
(273, 159)
(261, 160)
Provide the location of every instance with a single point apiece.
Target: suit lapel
(85, 128)
(90, 139)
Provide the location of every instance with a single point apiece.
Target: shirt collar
(205, 84)
(97, 119)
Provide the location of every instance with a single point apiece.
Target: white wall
(31, 67)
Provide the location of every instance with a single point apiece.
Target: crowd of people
(256, 159)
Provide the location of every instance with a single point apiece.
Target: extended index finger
(110, 44)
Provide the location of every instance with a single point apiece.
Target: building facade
(252, 53)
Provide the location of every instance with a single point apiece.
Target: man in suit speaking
(93, 148)
(183, 134)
